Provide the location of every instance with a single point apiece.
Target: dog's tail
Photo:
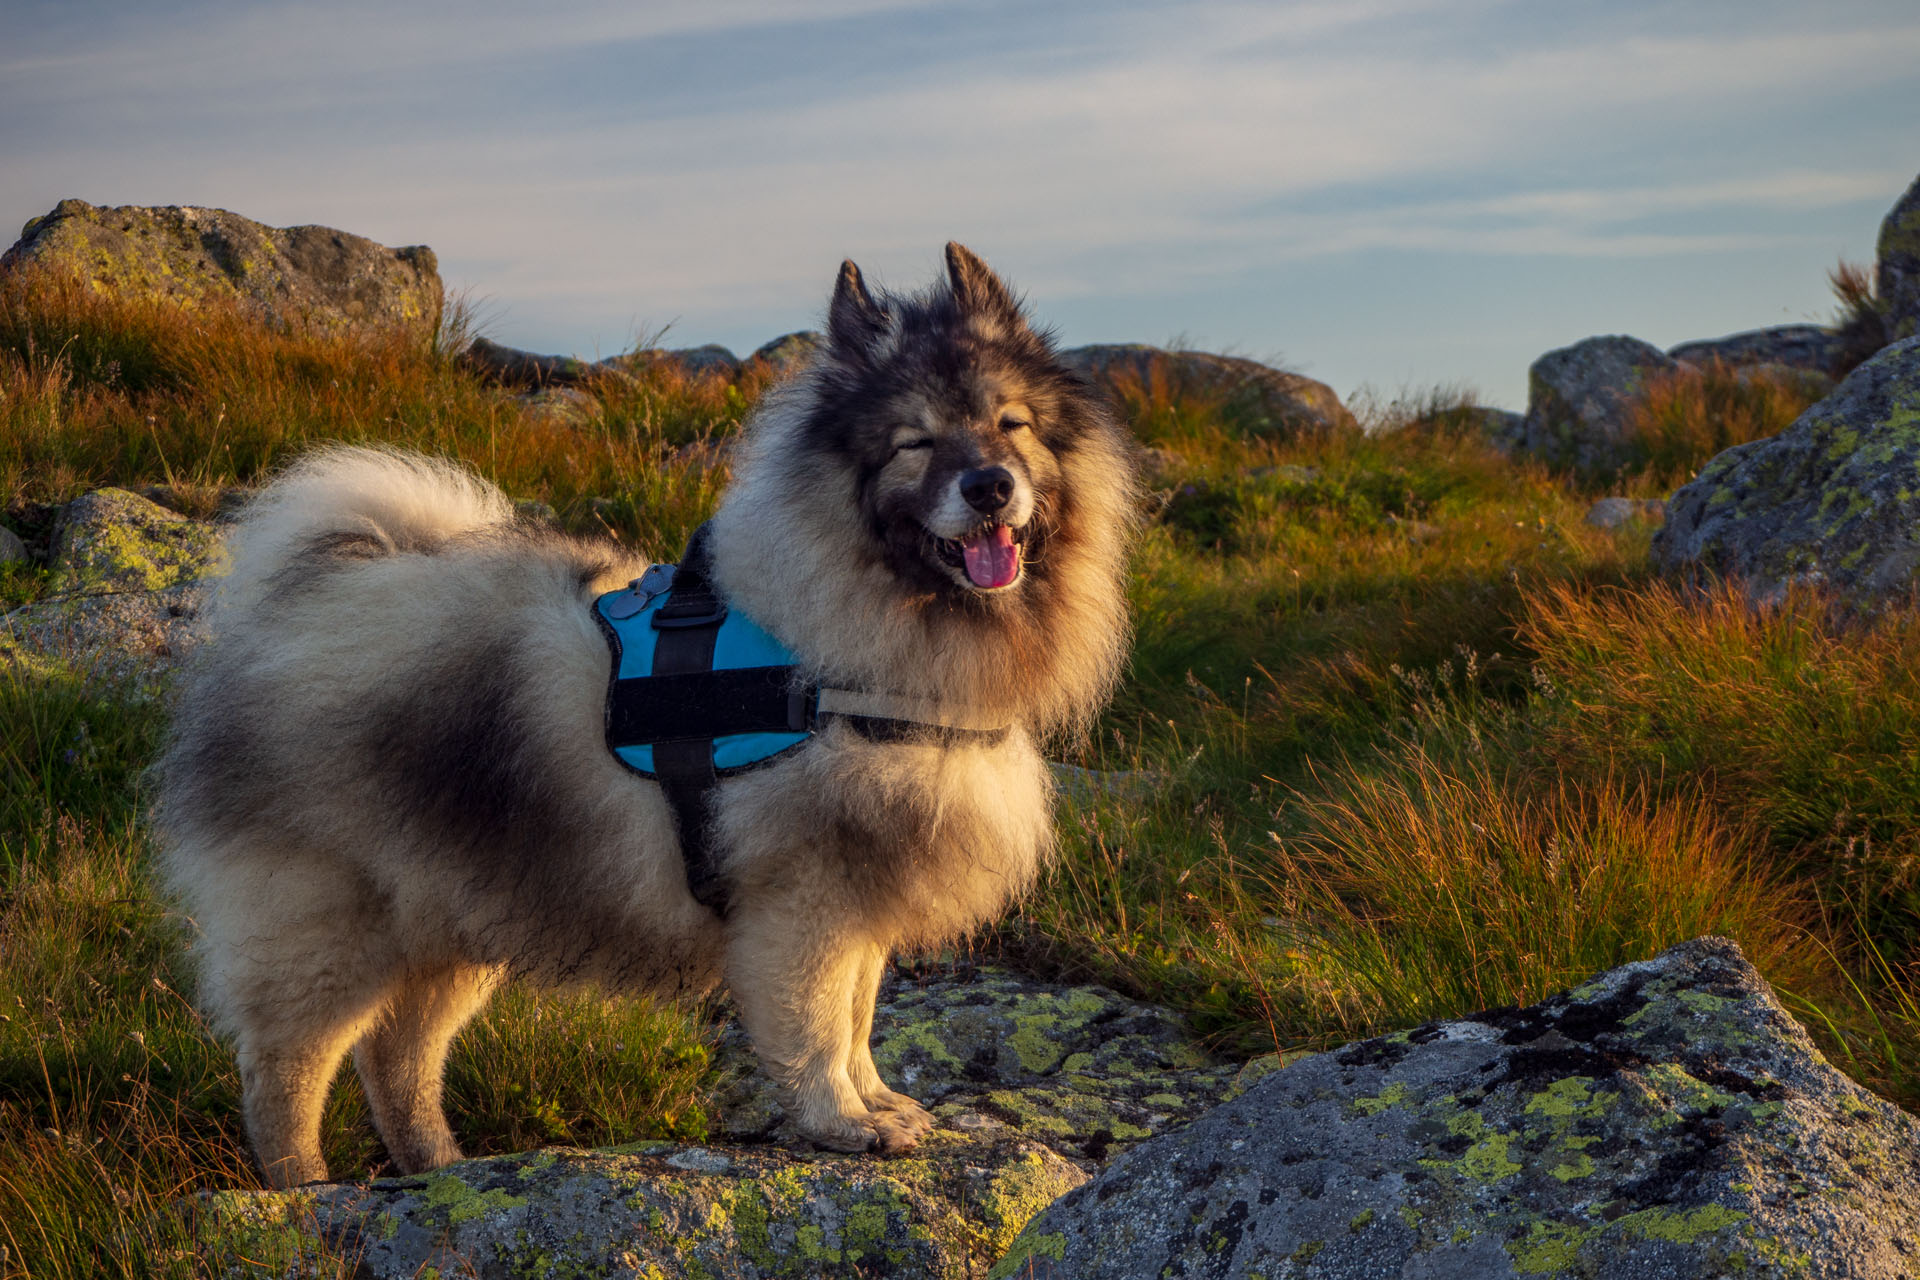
(341, 504)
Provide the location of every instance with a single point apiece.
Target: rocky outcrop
(662, 1209)
(1830, 500)
(1033, 1084)
(1255, 398)
(291, 275)
(791, 351)
(127, 588)
(1580, 400)
(1807, 347)
(511, 367)
(1897, 265)
(1666, 1119)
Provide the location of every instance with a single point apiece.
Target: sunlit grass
(1402, 737)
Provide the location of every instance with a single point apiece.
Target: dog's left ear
(975, 286)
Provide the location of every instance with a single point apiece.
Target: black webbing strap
(689, 623)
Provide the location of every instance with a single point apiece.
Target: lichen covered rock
(664, 1210)
(1666, 1119)
(293, 275)
(1833, 499)
(791, 351)
(1580, 400)
(127, 589)
(1257, 398)
(1897, 265)
(1083, 1070)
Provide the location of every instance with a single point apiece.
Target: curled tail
(344, 503)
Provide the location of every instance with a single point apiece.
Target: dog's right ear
(855, 321)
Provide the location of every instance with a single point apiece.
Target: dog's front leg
(794, 976)
(866, 1077)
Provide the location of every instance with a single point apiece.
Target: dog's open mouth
(989, 556)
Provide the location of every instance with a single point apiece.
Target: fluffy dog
(387, 787)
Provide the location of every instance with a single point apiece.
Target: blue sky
(1390, 193)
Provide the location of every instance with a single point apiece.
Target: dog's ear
(975, 286)
(855, 321)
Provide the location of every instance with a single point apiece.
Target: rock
(112, 542)
(1580, 398)
(1666, 1119)
(1083, 1070)
(790, 352)
(293, 275)
(1796, 346)
(559, 407)
(512, 367)
(1829, 500)
(127, 588)
(1504, 428)
(696, 361)
(664, 1209)
(1261, 400)
(1618, 513)
(1897, 265)
(12, 550)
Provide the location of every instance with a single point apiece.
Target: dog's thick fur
(387, 787)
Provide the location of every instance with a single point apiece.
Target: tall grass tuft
(1684, 417)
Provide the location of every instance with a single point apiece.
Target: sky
(1387, 195)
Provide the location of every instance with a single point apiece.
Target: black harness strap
(689, 623)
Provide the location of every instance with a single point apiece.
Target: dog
(388, 789)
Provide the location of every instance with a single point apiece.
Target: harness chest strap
(684, 704)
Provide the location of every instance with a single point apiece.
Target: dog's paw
(897, 1131)
(903, 1108)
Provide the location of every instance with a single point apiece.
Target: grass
(1423, 742)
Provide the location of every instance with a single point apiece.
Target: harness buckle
(664, 621)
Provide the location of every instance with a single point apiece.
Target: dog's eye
(924, 442)
(1013, 422)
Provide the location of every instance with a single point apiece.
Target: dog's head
(956, 417)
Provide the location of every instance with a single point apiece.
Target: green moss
(1564, 1099)
(1043, 1244)
(1487, 1160)
(1360, 1220)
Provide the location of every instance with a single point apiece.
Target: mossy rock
(1580, 401)
(1667, 1119)
(663, 1210)
(1081, 1069)
(127, 590)
(1255, 399)
(1897, 265)
(306, 276)
(1833, 500)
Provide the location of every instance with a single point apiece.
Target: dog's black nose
(987, 489)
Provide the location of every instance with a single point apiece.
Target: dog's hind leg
(402, 1061)
(865, 1076)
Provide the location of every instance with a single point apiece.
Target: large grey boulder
(1667, 1119)
(1832, 499)
(1580, 401)
(1807, 347)
(1897, 265)
(654, 1210)
(128, 586)
(1257, 398)
(292, 275)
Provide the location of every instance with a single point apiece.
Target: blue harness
(698, 693)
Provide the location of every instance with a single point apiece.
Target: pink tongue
(993, 559)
